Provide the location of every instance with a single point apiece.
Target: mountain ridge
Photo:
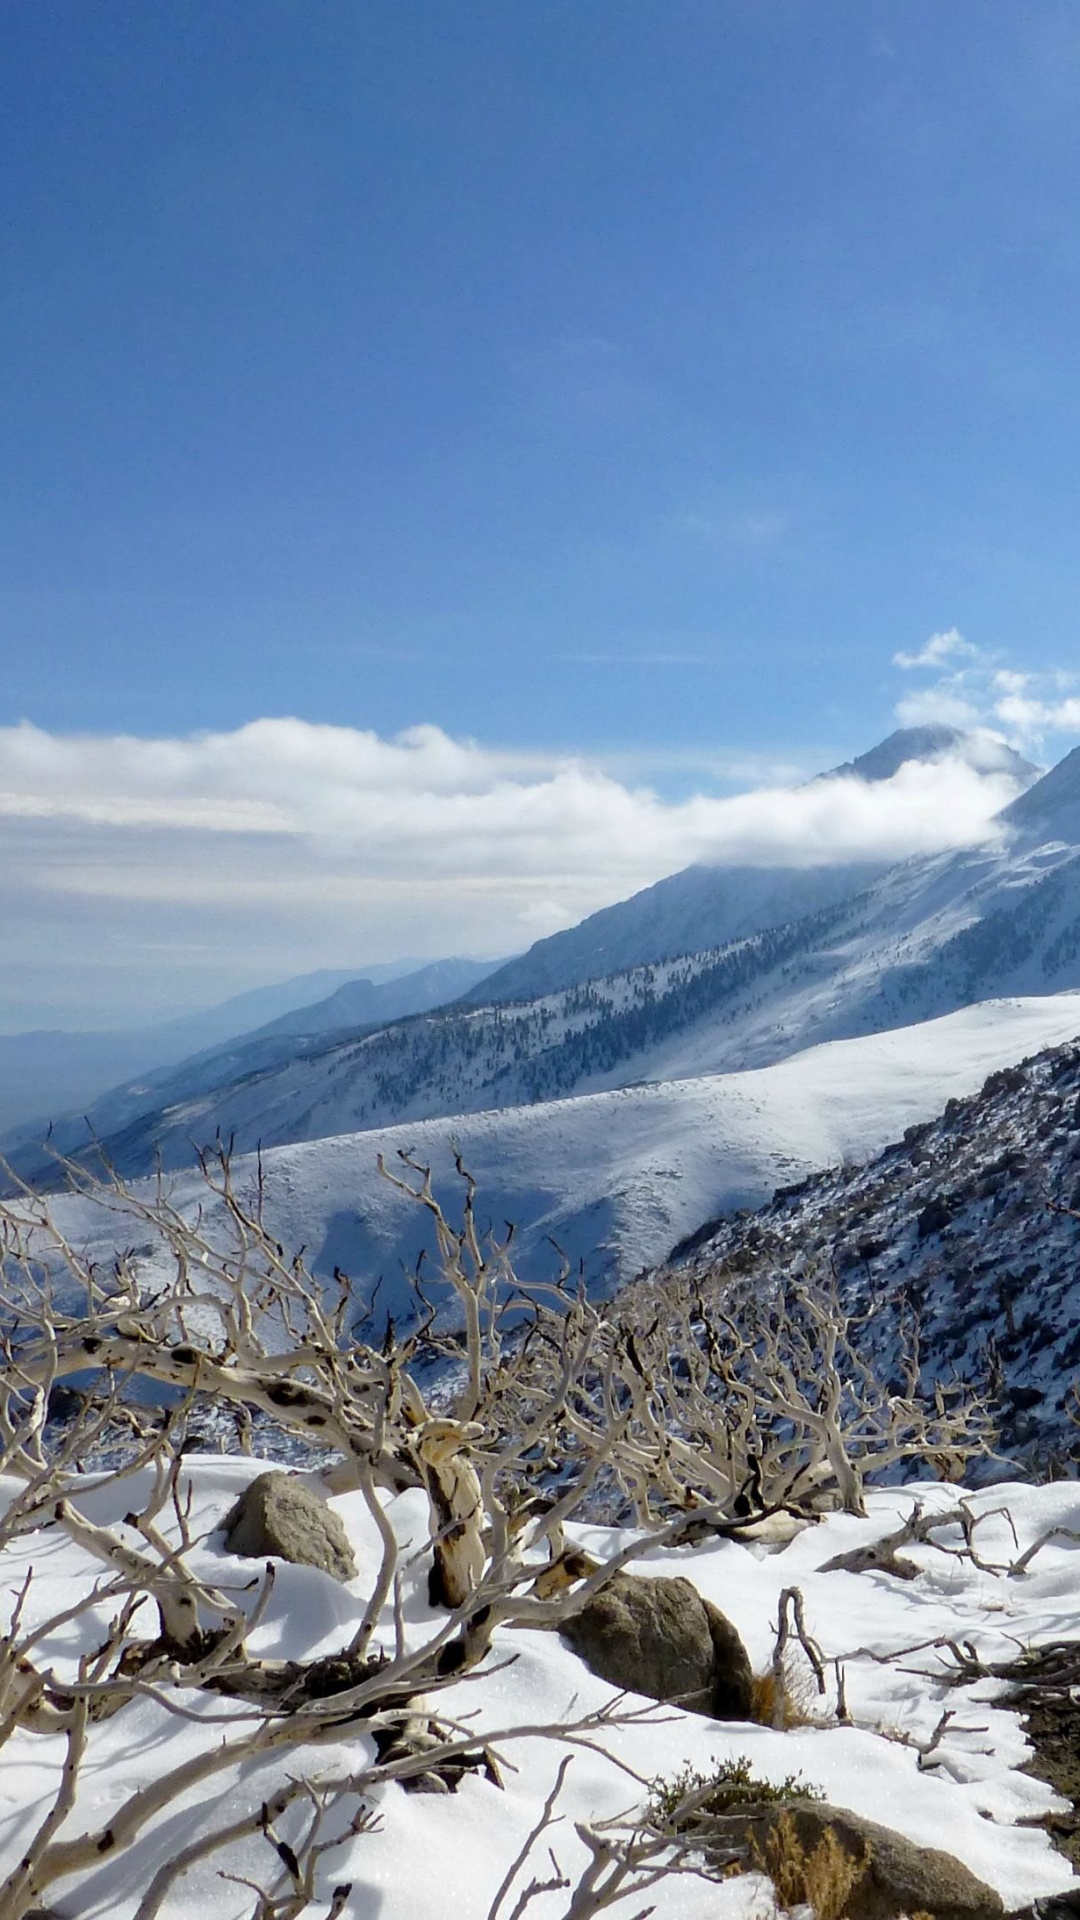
(929, 938)
(708, 906)
(616, 1178)
(308, 1027)
(913, 942)
(984, 752)
(65, 1068)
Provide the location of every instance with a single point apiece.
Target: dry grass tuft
(823, 1879)
(801, 1704)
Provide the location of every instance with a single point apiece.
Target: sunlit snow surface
(432, 1856)
(615, 1179)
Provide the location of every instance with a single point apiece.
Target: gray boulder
(661, 1638)
(277, 1514)
(900, 1878)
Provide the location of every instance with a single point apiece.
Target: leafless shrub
(701, 1416)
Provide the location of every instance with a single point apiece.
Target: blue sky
(624, 380)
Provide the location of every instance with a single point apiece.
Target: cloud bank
(182, 869)
(975, 690)
(430, 805)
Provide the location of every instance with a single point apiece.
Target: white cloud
(976, 691)
(426, 804)
(284, 846)
(1031, 719)
(940, 706)
(940, 647)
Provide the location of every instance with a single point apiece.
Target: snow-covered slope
(617, 1178)
(427, 1856)
(700, 909)
(706, 907)
(973, 1220)
(927, 937)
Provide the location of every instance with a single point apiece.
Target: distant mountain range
(803, 955)
(362, 1003)
(928, 1148)
(48, 1071)
(44, 1075)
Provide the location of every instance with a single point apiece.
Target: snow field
(615, 1179)
(436, 1855)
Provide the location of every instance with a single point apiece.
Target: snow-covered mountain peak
(710, 970)
(981, 750)
(709, 906)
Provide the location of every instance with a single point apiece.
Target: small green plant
(731, 1784)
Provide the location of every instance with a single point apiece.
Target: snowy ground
(617, 1178)
(432, 1856)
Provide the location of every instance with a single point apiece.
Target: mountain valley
(924, 939)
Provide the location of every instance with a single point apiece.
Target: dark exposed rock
(1056, 1906)
(661, 1638)
(412, 1740)
(277, 1514)
(1005, 1080)
(900, 1877)
(65, 1402)
(1045, 1690)
(934, 1218)
(284, 1684)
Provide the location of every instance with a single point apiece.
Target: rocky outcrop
(952, 1224)
(899, 1878)
(661, 1638)
(278, 1515)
